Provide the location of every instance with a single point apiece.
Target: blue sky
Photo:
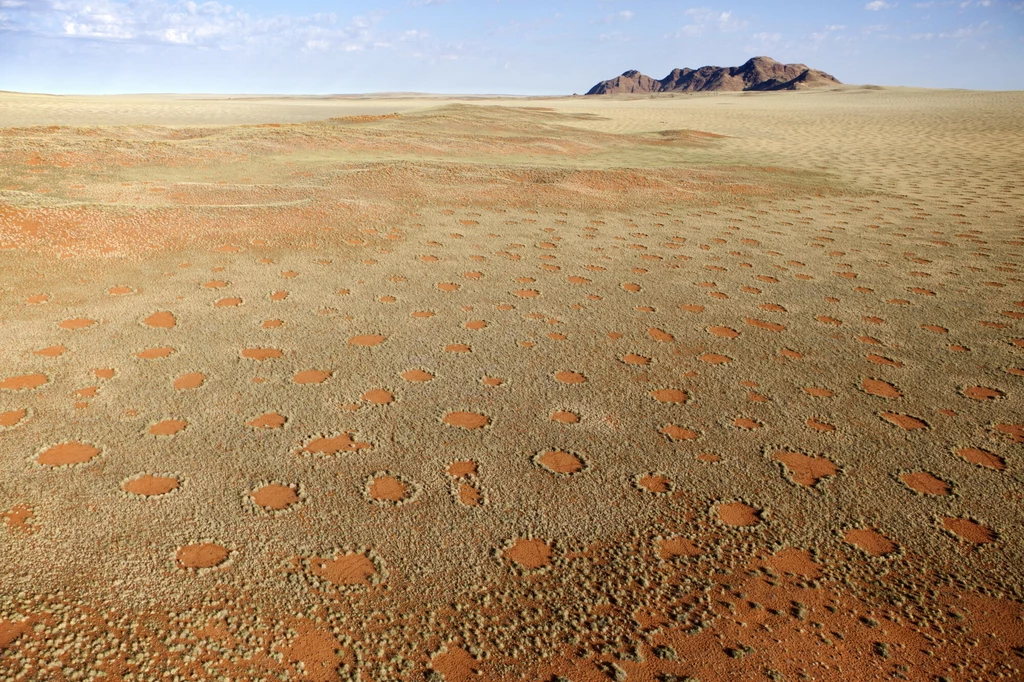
(490, 46)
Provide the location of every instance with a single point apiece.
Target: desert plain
(706, 387)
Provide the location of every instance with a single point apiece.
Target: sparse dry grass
(724, 387)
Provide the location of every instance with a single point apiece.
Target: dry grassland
(699, 387)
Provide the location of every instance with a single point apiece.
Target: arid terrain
(694, 387)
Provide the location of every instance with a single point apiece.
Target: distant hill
(759, 73)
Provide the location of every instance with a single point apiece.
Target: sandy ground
(696, 387)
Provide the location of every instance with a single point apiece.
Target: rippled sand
(712, 386)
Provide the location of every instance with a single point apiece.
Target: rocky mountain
(759, 73)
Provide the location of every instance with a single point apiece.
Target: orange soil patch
(367, 340)
(230, 302)
(670, 548)
(982, 393)
(746, 423)
(11, 418)
(567, 377)
(968, 530)
(51, 351)
(120, 291)
(462, 468)
(70, 453)
(261, 353)
(270, 420)
(675, 432)
(151, 485)
(77, 323)
(764, 324)
(25, 382)
(715, 359)
(467, 420)
(634, 359)
(723, 332)
(18, 519)
(106, 373)
(805, 469)
(925, 483)
(529, 554)
(796, 562)
(660, 335)
(870, 541)
(378, 396)
(882, 389)
(469, 495)
(1014, 431)
(882, 360)
(559, 461)
(201, 555)
(345, 570)
(311, 376)
(417, 375)
(387, 488)
(658, 484)
(168, 427)
(332, 445)
(670, 395)
(982, 458)
(189, 381)
(155, 353)
(564, 417)
(738, 514)
(904, 421)
(161, 320)
(275, 497)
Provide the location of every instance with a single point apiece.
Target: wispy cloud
(705, 21)
(208, 25)
(876, 5)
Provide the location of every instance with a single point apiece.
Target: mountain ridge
(756, 74)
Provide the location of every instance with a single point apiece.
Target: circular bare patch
(367, 340)
(168, 427)
(560, 462)
(968, 530)
(201, 555)
(389, 489)
(675, 396)
(529, 554)
(739, 514)
(25, 382)
(653, 482)
(345, 570)
(68, 454)
(870, 541)
(151, 485)
(274, 498)
(467, 420)
(333, 444)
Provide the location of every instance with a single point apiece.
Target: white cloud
(876, 5)
(704, 21)
(186, 23)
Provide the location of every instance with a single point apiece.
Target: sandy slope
(720, 386)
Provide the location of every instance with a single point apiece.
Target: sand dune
(714, 386)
